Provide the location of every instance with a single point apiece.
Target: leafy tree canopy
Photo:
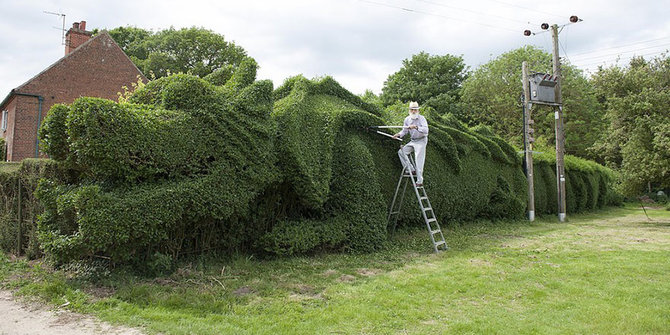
(433, 81)
(636, 101)
(491, 96)
(196, 51)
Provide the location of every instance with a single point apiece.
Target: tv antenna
(61, 29)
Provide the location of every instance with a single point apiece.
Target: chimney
(76, 36)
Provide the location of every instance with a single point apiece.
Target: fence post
(20, 220)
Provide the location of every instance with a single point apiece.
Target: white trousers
(419, 149)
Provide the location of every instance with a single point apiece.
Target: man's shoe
(419, 184)
(414, 173)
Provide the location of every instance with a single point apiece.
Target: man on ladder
(417, 126)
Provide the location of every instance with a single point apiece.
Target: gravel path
(17, 318)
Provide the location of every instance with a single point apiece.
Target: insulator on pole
(544, 26)
(574, 19)
(526, 32)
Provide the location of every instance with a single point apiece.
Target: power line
(565, 52)
(473, 11)
(436, 15)
(526, 8)
(626, 59)
(623, 52)
(621, 46)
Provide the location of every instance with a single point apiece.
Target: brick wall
(98, 68)
(25, 125)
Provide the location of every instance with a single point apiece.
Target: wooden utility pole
(560, 137)
(528, 141)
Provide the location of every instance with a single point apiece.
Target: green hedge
(26, 176)
(588, 185)
(226, 163)
(3, 149)
(178, 169)
(341, 173)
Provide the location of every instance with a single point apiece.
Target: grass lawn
(600, 273)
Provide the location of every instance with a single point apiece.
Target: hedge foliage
(588, 185)
(26, 176)
(3, 149)
(345, 177)
(174, 170)
(225, 162)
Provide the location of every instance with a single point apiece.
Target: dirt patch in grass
(21, 317)
(303, 288)
(498, 236)
(368, 272)
(306, 297)
(100, 292)
(480, 262)
(243, 291)
(346, 279)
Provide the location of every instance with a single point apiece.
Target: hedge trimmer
(385, 127)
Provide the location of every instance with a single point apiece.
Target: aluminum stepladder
(429, 217)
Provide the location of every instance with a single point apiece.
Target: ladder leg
(400, 203)
(394, 213)
(434, 230)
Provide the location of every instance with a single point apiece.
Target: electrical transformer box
(543, 88)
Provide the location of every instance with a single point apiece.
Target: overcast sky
(358, 42)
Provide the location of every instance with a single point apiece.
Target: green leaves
(636, 101)
(195, 51)
(431, 80)
(491, 96)
(177, 169)
(188, 166)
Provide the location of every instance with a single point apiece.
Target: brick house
(94, 67)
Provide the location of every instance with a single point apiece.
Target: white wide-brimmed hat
(414, 105)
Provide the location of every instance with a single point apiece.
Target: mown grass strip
(604, 272)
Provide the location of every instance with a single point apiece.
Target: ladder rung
(435, 231)
(440, 243)
(432, 220)
(423, 198)
(427, 209)
(393, 213)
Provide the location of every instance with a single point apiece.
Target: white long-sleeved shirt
(420, 132)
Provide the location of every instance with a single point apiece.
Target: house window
(4, 120)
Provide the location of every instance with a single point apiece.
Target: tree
(196, 51)
(636, 101)
(371, 98)
(492, 96)
(433, 81)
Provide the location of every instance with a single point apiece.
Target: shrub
(177, 170)
(189, 165)
(662, 199)
(344, 177)
(25, 175)
(3, 149)
(588, 185)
